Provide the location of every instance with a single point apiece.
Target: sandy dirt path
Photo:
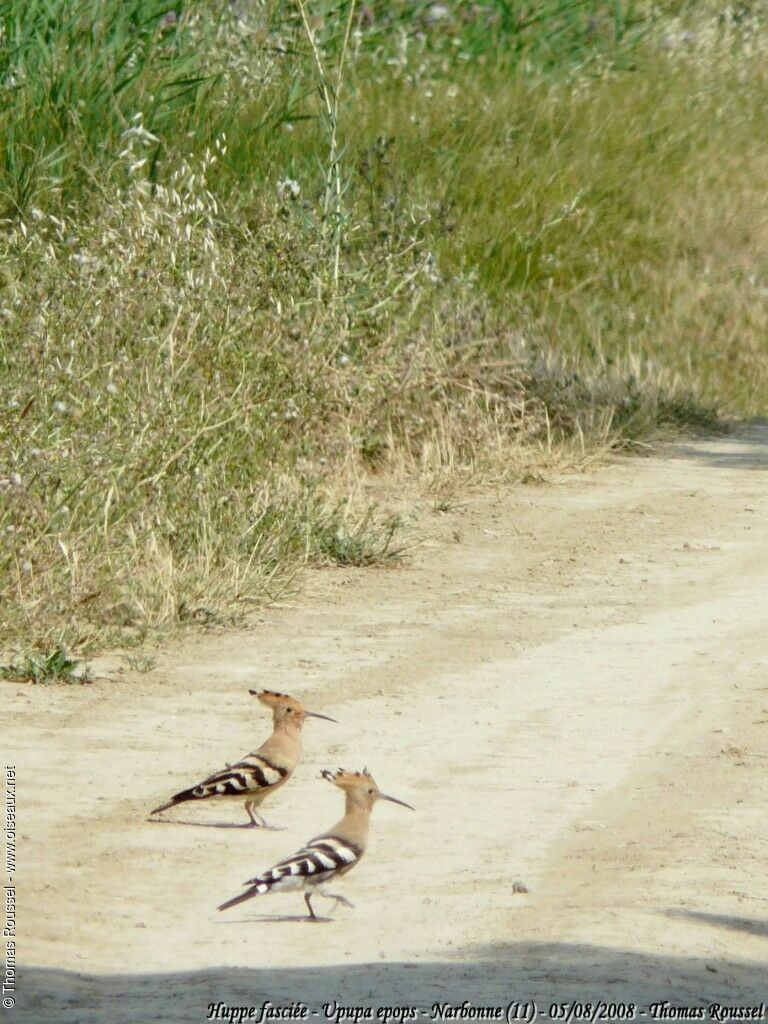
(569, 682)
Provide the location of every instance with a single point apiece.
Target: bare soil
(569, 682)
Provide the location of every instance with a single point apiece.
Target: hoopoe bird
(330, 855)
(262, 772)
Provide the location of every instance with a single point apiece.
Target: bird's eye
(370, 791)
(289, 710)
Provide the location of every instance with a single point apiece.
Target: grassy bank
(234, 284)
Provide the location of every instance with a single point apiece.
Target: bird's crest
(348, 780)
(270, 697)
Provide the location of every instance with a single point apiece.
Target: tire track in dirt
(569, 682)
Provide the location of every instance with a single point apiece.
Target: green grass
(542, 233)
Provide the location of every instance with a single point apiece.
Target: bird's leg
(257, 821)
(339, 899)
(308, 901)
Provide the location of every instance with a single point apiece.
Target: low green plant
(341, 539)
(140, 661)
(54, 667)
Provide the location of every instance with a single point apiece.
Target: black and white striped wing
(316, 863)
(253, 774)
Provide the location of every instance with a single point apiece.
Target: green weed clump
(255, 258)
(54, 667)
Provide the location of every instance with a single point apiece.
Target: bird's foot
(259, 822)
(337, 900)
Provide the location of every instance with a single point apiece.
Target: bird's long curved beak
(394, 800)
(315, 714)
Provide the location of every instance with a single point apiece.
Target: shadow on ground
(747, 925)
(745, 446)
(494, 976)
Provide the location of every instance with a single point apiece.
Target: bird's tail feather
(180, 798)
(255, 890)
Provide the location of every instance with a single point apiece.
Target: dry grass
(528, 260)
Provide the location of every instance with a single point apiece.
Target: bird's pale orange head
(285, 708)
(360, 786)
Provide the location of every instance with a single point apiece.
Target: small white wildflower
(288, 189)
(15, 479)
(437, 12)
(139, 132)
(26, 567)
(343, 360)
(290, 414)
(59, 407)
(112, 388)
